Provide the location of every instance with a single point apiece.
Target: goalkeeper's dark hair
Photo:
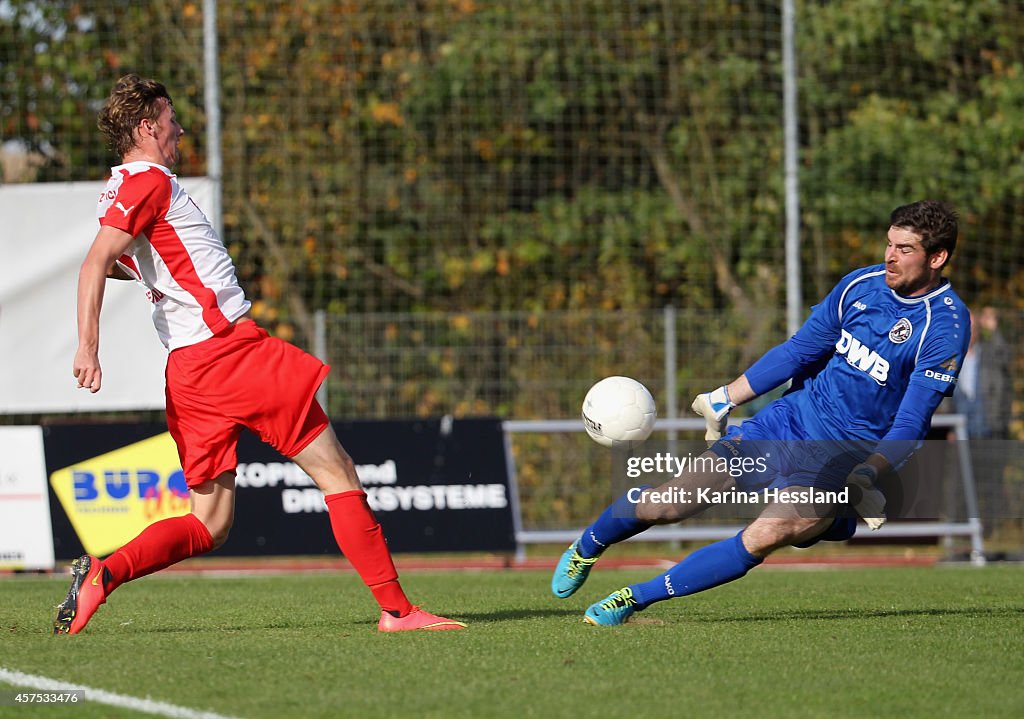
(132, 100)
(935, 222)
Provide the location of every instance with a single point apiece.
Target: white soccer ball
(619, 411)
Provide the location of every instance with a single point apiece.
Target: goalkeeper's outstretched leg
(629, 515)
(711, 566)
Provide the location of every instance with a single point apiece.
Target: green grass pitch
(902, 642)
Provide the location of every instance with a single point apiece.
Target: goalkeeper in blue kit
(868, 369)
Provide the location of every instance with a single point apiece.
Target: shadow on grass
(512, 615)
(504, 615)
(860, 614)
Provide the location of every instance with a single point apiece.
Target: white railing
(971, 527)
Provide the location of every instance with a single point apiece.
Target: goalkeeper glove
(871, 503)
(714, 407)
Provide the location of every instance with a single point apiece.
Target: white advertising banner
(45, 232)
(26, 538)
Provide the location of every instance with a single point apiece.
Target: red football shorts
(241, 377)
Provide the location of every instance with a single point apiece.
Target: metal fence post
(320, 352)
(671, 407)
(211, 98)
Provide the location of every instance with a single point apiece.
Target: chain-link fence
(457, 155)
(518, 364)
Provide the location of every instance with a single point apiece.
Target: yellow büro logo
(111, 498)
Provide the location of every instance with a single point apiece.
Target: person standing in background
(985, 397)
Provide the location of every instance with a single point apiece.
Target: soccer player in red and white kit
(223, 372)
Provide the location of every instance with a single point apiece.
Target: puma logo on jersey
(863, 357)
(119, 206)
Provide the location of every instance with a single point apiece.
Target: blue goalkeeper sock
(708, 567)
(615, 524)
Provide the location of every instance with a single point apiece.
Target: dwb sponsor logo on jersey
(862, 357)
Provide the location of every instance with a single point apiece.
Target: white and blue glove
(871, 503)
(714, 407)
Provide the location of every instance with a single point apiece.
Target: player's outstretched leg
(617, 523)
(159, 545)
(705, 568)
(361, 540)
(85, 596)
(358, 533)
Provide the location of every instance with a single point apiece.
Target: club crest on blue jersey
(901, 331)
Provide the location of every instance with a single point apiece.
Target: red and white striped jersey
(176, 254)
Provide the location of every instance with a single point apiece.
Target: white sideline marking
(147, 706)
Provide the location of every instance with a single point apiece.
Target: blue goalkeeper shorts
(773, 450)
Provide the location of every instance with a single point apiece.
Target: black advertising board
(436, 485)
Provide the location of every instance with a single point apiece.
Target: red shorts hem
(314, 421)
(228, 467)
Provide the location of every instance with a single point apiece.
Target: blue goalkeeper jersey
(864, 346)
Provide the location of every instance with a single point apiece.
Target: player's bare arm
(110, 243)
(740, 391)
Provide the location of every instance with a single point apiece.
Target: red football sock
(361, 540)
(160, 545)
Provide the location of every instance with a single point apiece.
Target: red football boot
(84, 597)
(416, 619)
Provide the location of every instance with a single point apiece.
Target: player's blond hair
(132, 100)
